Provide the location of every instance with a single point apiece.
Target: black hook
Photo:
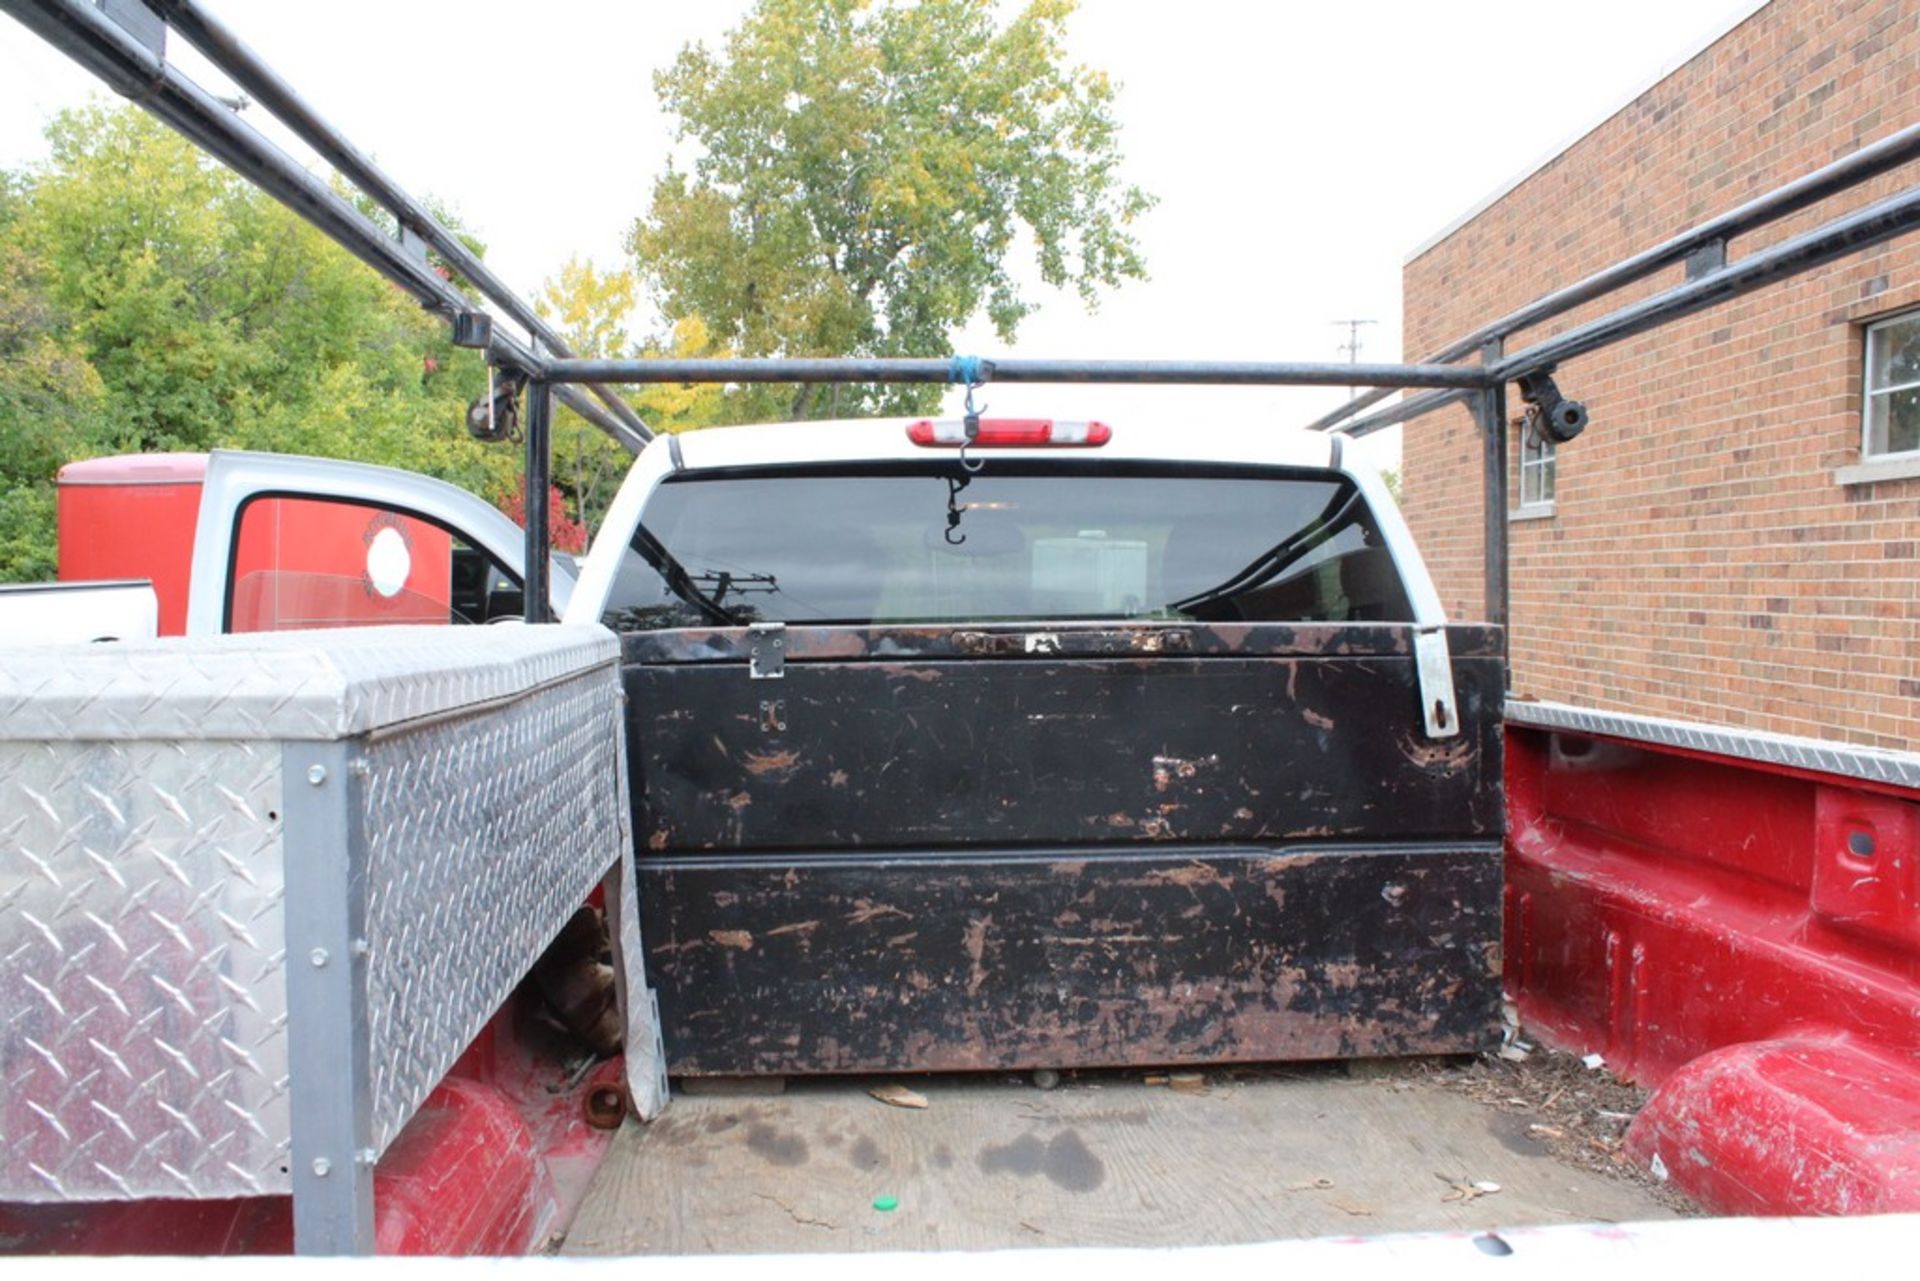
(954, 511)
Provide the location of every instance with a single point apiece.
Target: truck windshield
(1020, 540)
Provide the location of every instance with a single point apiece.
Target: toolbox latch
(1433, 668)
(767, 651)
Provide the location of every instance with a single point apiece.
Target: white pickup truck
(1106, 677)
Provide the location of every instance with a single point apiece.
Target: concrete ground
(993, 1163)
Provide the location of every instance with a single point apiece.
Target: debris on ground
(894, 1094)
(1188, 1082)
(1512, 1048)
(1312, 1185)
(1466, 1189)
(1577, 1113)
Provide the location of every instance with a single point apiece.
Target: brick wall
(1703, 561)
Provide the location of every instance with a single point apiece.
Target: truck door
(286, 543)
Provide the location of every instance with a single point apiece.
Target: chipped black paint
(1090, 845)
(959, 752)
(838, 644)
(1095, 957)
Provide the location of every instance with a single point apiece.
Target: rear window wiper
(679, 581)
(1338, 515)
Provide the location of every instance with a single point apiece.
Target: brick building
(1734, 537)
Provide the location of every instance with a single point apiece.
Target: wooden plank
(991, 1165)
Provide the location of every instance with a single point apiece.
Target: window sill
(1903, 467)
(1533, 511)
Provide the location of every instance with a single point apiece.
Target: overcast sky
(1300, 151)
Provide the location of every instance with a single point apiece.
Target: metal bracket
(138, 19)
(472, 329)
(1551, 416)
(1708, 258)
(416, 246)
(1433, 669)
(767, 651)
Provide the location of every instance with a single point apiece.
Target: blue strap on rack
(970, 370)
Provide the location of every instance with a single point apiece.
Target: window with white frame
(1536, 471)
(1890, 418)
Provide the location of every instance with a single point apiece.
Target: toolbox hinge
(1433, 669)
(767, 651)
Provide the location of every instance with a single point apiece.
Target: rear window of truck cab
(928, 543)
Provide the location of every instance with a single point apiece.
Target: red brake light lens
(1010, 433)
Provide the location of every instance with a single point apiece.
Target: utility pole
(1352, 346)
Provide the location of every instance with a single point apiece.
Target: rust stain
(739, 801)
(657, 841)
(742, 939)
(1191, 875)
(1315, 719)
(1447, 755)
(798, 927)
(837, 779)
(1168, 770)
(865, 910)
(781, 763)
(975, 942)
(825, 642)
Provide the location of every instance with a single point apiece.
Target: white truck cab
(814, 446)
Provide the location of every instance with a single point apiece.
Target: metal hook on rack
(971, 425)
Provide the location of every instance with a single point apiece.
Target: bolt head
(321, 1167)
(316, 774)
(318, 956)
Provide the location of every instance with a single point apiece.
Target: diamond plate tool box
(257, 893)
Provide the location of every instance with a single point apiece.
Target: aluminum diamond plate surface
(142, 999)
(144, 1014)
(284, 685)
(484, 834)
(1901, 769)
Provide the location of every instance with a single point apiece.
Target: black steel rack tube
(1879, 221)
(103, 47)
(922, 370)
(1849, 171)
(232, 55)
(1846, 234)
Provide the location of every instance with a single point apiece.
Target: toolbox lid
(310, 685)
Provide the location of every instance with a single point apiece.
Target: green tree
(51, 403)
(151, 299)
(861, 173)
